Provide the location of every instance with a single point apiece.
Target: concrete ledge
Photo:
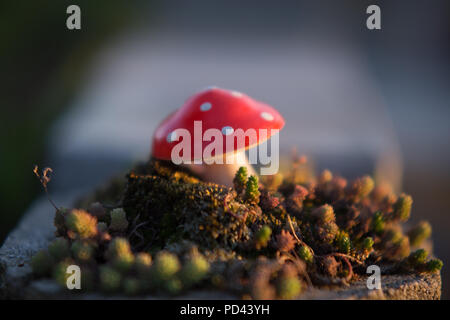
(36, 230)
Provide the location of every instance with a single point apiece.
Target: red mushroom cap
(220, 109)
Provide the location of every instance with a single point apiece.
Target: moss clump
(174, 208)
(172, 232)
(143, 261)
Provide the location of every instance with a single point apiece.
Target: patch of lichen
(171, 232)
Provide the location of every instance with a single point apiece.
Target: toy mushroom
(223, 124)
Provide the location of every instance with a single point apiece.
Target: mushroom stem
(222, 174)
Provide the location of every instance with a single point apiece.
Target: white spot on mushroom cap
(227, 130)
(172, 136)
(237, 94)
(266, 116)
(205, 106)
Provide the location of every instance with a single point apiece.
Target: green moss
(131, 286)
(143, 262)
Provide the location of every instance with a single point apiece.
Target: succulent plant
(240, 180)
(173, 286)
(82, 250)
(81, 223)
(110, 279)
(285, 241)
(378, 223)
(343, 242)
(418, 257)
(419, 233)
(120, 254)
(325, 176)
(102, 227)
(362, 187)
(119, 220)
(262, 237)
(59, 249)
(402, 208)
(60, 272)
(251, 191)
(165, 266)
(368, 244)
(42, 263)
(305, 254)
(434, 265)
(194, 270)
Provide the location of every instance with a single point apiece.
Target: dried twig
(295, 235)
(45, 179)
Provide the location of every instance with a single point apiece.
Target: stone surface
(36, 230)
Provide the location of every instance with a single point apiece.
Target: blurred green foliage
(42, 65)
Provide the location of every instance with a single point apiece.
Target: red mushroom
(216, 119)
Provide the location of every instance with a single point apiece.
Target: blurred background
(86, 102)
